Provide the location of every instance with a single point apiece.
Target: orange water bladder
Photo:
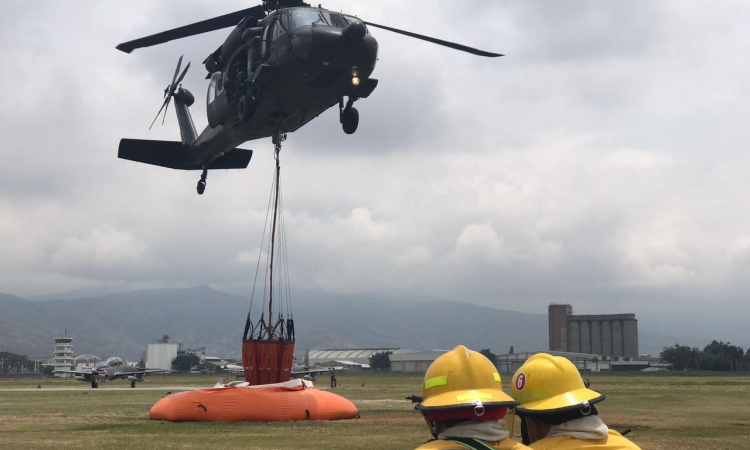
(294, 400)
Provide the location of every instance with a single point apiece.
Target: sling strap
(474, 444)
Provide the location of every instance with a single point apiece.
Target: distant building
(161, 353)
(585, 362)
(63, 359)
(417, 362)
(85, 363)
(349, 366)
(200, 352)
(609, 335)
(358, 356)
(216, 361)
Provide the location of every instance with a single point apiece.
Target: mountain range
(123, 323)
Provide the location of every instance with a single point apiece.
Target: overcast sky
(602, 162)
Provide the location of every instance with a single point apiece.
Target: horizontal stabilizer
(174, 155)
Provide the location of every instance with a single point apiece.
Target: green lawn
(665, 412)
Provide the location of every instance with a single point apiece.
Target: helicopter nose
(339, 48)
(354, 32)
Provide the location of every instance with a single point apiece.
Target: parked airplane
(112, 369)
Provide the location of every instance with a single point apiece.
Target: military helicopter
(284, 64)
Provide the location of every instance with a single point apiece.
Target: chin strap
(430, 425)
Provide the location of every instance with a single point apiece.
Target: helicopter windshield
(334, 19)
(306, 18)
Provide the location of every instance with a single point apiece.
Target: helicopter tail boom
(176, 155)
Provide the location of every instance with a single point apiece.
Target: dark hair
(558, 417)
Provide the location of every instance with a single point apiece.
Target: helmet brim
(561, 403)
(458, 399)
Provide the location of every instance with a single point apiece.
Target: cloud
(603, 161)
(739, 251)
(105, 251)
(480, 242)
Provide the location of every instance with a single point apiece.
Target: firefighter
(462, 401)
(557, 410)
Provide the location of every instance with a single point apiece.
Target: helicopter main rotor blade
(452, 45)
(217, 23)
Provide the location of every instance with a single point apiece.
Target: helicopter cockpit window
(284, 19)
(215, 87)
(306, 18)
(280, 27)
(334, 19)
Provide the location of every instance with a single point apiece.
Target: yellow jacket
(614, 441)
(505, 444)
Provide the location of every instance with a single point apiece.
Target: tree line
(716, 356)
(12, 363)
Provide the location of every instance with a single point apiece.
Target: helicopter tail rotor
(170, 90)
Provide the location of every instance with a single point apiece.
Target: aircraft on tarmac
(284, 63)
(112, 369)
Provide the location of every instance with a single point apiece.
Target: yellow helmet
(547, 384)
(462, 378)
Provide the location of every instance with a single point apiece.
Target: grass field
(664, 412)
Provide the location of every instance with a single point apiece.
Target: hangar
(349, 357)
(414, 361)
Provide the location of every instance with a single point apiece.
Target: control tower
(63, 360)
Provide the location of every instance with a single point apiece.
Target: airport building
(63, 360)
(351, 359)
(161, 353)
(417, 362)
(612, 335)
(85, 363)
(585, 362)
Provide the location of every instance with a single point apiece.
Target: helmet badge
(521, 381)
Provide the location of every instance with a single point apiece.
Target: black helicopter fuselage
(273, 74)
(293, 68)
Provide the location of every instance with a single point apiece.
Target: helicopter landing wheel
(350, 120)
(245, 108)
(201, 187)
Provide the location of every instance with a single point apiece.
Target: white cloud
(104, 250)
(628, 158)
(739, 251)
(413, 256)
(604, 158)
(250, 257)
(479, 242)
